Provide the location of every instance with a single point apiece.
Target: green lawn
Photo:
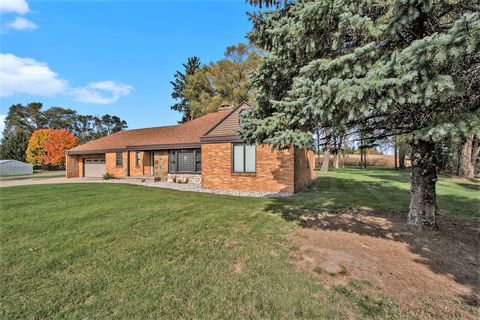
(125, 251)
(381, 190)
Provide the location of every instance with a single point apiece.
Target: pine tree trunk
(476, 157)
(423, 203)
(326, 160)
(466, 165)
(395, 155)
(365, 158)
(326, 154)
(335, 160)
(454, 159)
(401, 157)
(318, 147)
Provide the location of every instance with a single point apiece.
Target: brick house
(206, 150)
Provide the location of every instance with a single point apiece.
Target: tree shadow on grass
(452, 251)
(470, 186)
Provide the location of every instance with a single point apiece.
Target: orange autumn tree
(47, 146)
(55, 146)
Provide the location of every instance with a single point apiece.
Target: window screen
(172, 163)
(118, 159)
(186, 161)
(250, 158)
(137, 159)
(238, 157)
(198, 161)
(244, 158)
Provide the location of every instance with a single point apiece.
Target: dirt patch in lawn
(433, 274)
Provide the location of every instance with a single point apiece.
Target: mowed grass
(381, 190)
(125, 251)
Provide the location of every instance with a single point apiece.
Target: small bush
(108, 176)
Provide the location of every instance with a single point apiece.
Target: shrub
(108, 176)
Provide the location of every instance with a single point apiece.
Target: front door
(160, 164)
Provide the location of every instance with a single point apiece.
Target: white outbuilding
(13, 167)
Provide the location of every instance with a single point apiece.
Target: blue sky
(114, 57)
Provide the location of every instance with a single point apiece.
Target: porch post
(151, 163)
(128, 163)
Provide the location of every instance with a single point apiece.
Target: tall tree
(225, 82)
(390, 66)
(60, 118)
(14, 145)
(26, 118)
(56, 144)
(179, 81)
(36, 152)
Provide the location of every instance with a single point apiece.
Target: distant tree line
(22, 120)
(200, 89)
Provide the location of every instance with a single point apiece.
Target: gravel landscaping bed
(197, 188)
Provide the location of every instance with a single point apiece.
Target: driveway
(41, 178)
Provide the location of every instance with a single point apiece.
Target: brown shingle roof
(188, 133)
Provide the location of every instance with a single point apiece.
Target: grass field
(124, 251)
(382, 190)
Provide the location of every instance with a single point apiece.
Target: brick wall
(111, 166)
(72, 166)
(304, 168)
(274, 170)
(144, 168)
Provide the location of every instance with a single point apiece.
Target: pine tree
(14, 145)
(389, 67)
(179, 81)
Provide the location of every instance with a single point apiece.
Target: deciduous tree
(225, 82)
(36, 153)
(56, 144)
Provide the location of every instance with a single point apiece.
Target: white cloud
(28, 76)
(20, 8)
(25, 75)
(95, 92)
(21, 23)
(17, 6)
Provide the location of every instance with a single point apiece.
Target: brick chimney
(225, 107)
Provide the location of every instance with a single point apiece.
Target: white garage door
(94, 167)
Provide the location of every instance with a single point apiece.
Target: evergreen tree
(14, 145)
(179, 81)
(387, 67)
